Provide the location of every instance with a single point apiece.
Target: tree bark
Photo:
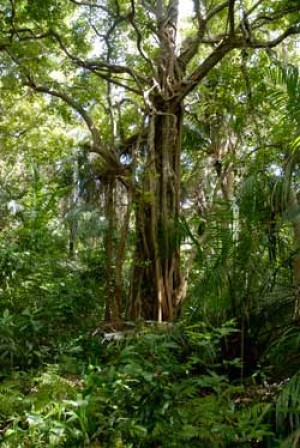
(156, 279)
(112, 307)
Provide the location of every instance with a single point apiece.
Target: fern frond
(288, 405)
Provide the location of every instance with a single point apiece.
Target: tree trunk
(156, 280)
(112, 307)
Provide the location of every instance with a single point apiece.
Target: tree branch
(231, 17)
(211, 61)
(131, 18)
(95, 64)
(159, 12)
(191, 45)
(118, 82)
(89, 4)
(235, 42)
(293, 30)
(216, 10)
(254, 7)
(265, 19)
(25, 38)
(108, 156)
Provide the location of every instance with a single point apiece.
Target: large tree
(137, 61)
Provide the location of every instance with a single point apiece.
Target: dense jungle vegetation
(149, 223)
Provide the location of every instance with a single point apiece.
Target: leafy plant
(159, 389)
(288, 406)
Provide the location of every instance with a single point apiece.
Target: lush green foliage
(158, 389)
(97, 196)
(156, 386)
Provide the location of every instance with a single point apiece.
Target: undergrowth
(149, 389)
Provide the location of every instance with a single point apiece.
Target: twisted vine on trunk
(156, 271)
